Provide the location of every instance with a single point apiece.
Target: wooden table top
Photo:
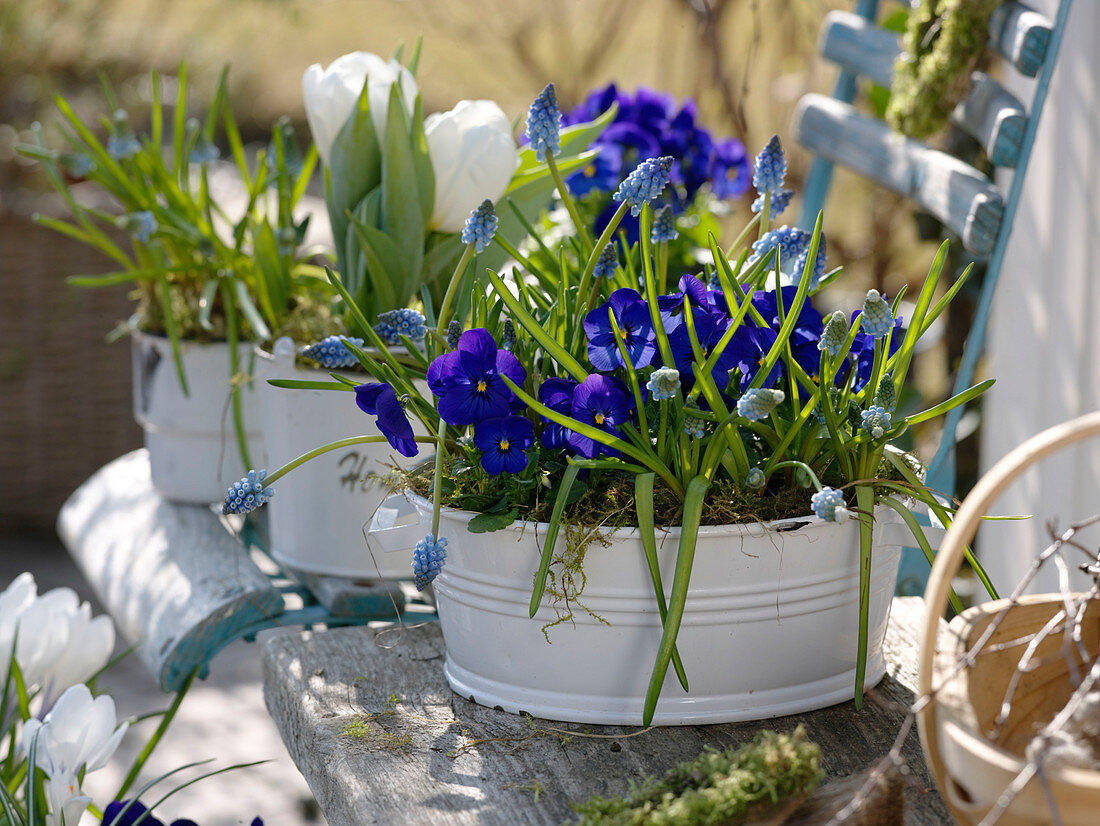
(367, 716)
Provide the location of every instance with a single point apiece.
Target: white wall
(1044, 345)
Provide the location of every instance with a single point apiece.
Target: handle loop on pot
(390, 527)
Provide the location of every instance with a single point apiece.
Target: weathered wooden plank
(994, 117)
(432, 757)
(858, 46)
(176, 582)
(356, 598)
(956, 193)
(1021, 35)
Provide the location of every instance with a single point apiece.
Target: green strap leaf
(402, 219)
(567, 480)
(685, 556)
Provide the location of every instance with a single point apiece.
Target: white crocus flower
(79, 732)
(473, 155)
(331, 94)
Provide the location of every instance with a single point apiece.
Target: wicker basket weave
(64, 393)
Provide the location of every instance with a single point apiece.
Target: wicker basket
(64, 393)
(972, 768)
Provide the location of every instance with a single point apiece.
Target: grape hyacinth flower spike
(768, 174)
(664, 383)
(835, 334)
(248, 494)
(122, 144)
(544, 124)
(876, 421)
(396, 323)
(758, 403)
(607, 263)
(428, 559)
(645, 183)
(481, 226)
(331, 353)
(664, 226)
(828, 505)
(877, 320)
(754, 479)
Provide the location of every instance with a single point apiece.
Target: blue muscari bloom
(664, 226)
(544, 124)
(381, 400)
(876, 319)
(404, 322)
(819, 262)
(557, 394)
(504, 443)
(607, 263)
(781, 199)
(758, 403)
(248, 494)
(664, 383)
(454, 332)
(790, 241)
(605, 403)
(121, 143)
(331, 353)
(645, 183)
(141, 224)
(770, 168)
(635, 331)
(695, 428)
(755, 479)
(428, 558)
(886, 395)
(77, 164)
(481, 226)
(828, 505)
(508, 337)
(204, 151)
(876, 421)
(468, 380)
(834, 334)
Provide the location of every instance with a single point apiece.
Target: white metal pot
(770, 627)
(192, 442)
(319, 518)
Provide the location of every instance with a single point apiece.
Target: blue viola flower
(730, 174)
(468, 381)
(605, 403)
(607, 262)
(750, 346)
(828, 505)
(544, 124)
(134, 812)
(481, 226)
(331, 353)
(557, 394)
(428, 558)
(709, 330)
(601, 174)
(381, 400)
(695, 291)
(635, 331)
(248, 494)
(645, 184)
(504, 443)
(809, 325)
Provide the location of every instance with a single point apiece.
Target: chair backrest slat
(1021, 36)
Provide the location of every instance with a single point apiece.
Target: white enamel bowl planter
(192, 442)
(318, 519)
(769, 629)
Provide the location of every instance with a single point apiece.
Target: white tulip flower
(79, 732)
(20, 593)
(473, 155)
(331, 94)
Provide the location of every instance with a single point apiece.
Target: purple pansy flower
(709, 329)
(750, 346)
(503, 443)
(672, 305)
(557, 394)
(730, 173)
(862, 355)
(635, 331)
(605, 403)
(380, 400)
(130, 812)
(468, 381)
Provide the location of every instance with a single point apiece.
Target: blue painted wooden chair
(965, 200)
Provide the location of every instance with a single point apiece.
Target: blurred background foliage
(745, 62)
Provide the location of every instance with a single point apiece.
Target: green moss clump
(718, 787)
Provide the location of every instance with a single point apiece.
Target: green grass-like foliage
(717, 787)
